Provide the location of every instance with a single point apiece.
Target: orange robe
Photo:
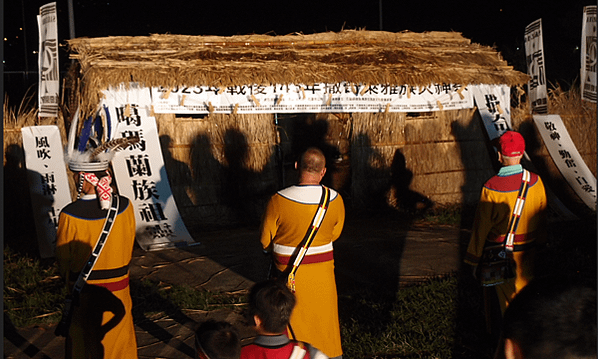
(285, 222)
(491, 225)
(102, 325)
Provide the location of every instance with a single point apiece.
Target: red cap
(511, 144)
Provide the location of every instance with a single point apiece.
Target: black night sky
(493, 23)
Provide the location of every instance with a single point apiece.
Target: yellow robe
(287, 217)
(491, 221)
(102, 325)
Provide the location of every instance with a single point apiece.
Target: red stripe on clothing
(114, 286)
(308, 259)
(518, 239)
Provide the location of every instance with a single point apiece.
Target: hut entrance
(329, 132)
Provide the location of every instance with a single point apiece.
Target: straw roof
(355, 56)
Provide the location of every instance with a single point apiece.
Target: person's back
(287, 218)
(551, 318)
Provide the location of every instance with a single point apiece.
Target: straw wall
(220, 167)
(402, 158)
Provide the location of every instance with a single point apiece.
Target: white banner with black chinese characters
(494, 104)
(567, 159)
(588, 54)
(317, 98)
(48, 182)
(140, 172)
(49, 80)
(534, 55)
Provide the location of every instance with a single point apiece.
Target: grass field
(439, 318)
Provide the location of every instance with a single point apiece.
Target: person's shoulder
(123, 204)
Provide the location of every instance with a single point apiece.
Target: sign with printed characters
(494, 104)
(536, 67)
(49, 79)
(140, 173)
(317, 98)
(48, 182)
(588, 54)
(567, 159)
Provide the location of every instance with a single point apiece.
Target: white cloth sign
(534, 55)
(48, 182)
(567, 159)
(140, 172)
(494, 104)
(588, 54)
(318, 98)
(49, 79)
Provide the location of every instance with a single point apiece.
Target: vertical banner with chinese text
(140, 172)
(494, 104)
(567, 159)
(534, 56)
(588, 54)
(49, 80)
(48, 182)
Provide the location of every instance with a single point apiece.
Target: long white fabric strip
(287, 250)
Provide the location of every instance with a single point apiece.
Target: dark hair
(553, 318)
(312, 160)
(218, 340)
(273, 303)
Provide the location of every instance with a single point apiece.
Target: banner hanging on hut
(494, 104)
(140, 172)
(534, 57)
(317, 98)
(566, 157)
(588, 54)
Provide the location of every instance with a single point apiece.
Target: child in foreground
(270, 307)
(217, 340)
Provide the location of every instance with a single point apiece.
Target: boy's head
(270, 306)
(217, 340)
(552, 317)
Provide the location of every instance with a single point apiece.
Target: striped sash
(517, 209)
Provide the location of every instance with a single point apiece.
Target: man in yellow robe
(102, 322)
(286, 220)
(495, 209)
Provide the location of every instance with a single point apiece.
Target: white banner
(534, 55)
(588, 54)
(326, 98)
(494, 104)
(140, 172)
(48, 182)
(49, 80)
(567, 159)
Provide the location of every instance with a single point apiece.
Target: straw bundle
(416, 59)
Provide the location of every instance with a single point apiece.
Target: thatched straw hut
(384, 157)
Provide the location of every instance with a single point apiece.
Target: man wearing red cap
(511, 217)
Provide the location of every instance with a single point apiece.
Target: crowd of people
(295, 312)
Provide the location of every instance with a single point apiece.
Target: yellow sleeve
(482, 225)
(64, 235)
(269, 224)
(338, 227)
